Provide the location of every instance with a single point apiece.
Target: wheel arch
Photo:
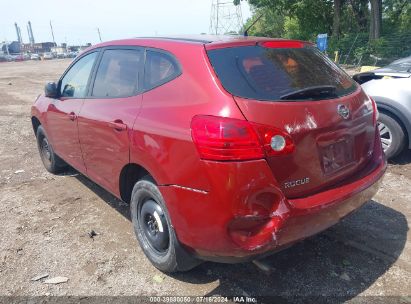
(397, 115)
(35, 123)
(129, 175)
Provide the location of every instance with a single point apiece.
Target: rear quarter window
(160, 68)
(261, 73)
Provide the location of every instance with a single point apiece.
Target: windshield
(401, 65)
(261, 73)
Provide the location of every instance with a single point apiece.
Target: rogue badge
(298, 182)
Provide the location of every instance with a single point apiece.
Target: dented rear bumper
(206, 222)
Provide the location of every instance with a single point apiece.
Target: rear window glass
(262, 73)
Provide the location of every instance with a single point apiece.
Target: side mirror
(50, 90)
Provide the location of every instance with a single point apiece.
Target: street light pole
(99, 35)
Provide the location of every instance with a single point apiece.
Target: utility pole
(52, 33)
(99, 35)
(225, 18)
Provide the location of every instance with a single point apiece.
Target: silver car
(390, 87)
(35, 57)
(47, 56)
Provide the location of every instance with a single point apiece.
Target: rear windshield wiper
(311, 92)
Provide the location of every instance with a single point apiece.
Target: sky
(76, 21)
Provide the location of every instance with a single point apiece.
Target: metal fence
(356, 49)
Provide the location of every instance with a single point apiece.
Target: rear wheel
(392, 135)
(51, 161)
(154, 231)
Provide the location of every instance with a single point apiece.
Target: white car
(47, 56)
(35, 57)
(390, 87)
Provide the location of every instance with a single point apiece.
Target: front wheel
(51, 161)
(154, 231)
(391, 134)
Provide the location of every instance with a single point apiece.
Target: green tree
(337, 18)
(397, 15)
(376, 19)
(359, 9)
(360, 30)
(300, 19)
(270, 24)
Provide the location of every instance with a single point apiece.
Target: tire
(155, 233)
(51, 161)
(392, 135)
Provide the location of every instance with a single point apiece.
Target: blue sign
(322, 42)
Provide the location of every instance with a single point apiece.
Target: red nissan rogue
(226, 148)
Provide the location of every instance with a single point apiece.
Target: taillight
(371, 106)
(375, 114)
(221, 138)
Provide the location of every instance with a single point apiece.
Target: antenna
(245, 34)
(52, 32)
(99, 35)
(225, 18)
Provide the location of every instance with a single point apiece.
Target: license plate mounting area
(337, 155)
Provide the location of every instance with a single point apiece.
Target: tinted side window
(117, 74)
(74, 83)
(159, 69)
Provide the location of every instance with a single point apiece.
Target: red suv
(227, 149)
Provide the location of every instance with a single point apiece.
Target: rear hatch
(293, 87)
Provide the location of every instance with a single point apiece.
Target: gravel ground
(46, 220)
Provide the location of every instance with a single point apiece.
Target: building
(14, 47)
(3, 48)
(58, 49)
(41, 47)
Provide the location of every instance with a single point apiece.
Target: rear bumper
(202, 220)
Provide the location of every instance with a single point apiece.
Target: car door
(108, 114)
(62, 112)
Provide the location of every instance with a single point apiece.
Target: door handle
(118, 125)
(72, 116)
